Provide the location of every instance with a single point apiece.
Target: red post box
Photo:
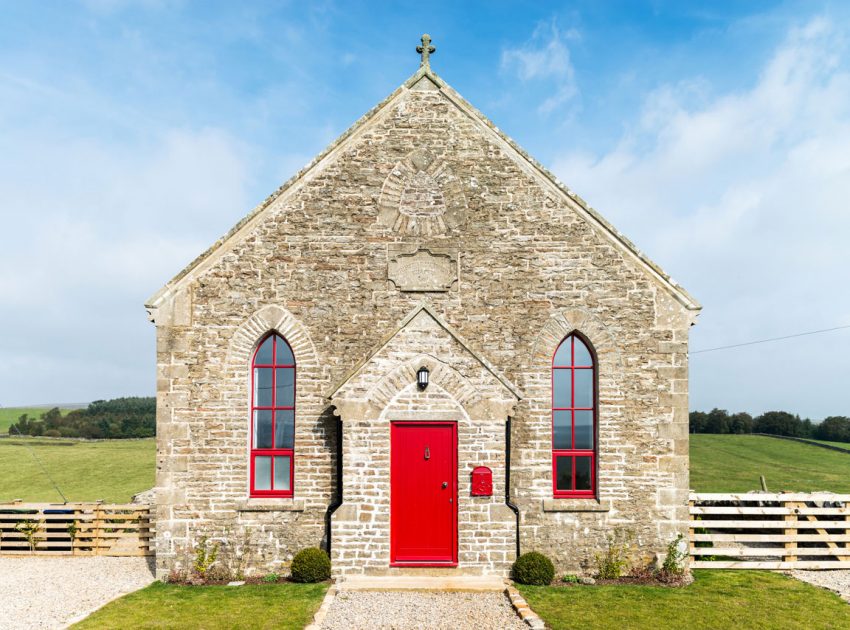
(482, 482)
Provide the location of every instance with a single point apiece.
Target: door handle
(445, 485)
(427, 453)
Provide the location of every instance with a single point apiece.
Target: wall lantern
(422, 378)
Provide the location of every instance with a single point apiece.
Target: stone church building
(423, 350)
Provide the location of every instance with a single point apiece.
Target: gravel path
(837, 581)
(411, 610)
(50, 592)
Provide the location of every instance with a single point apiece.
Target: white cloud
(744, 197)
(545, 57)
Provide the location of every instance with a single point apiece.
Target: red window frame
(272, 452)
(574, 452)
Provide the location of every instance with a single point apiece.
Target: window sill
(270, 504)
(576, 505)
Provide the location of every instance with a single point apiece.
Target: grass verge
(744, 600)
(112, 470)
(733, 463)
(161, 606)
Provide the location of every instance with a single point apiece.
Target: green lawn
(743, 600)
(9, 415)
(111, 470)
(733, 463)
(211, 607)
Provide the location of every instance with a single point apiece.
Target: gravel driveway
(50, 592)
(411, 610)
(837, 581)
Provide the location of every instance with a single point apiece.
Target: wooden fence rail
(760, 530)
(79, 529)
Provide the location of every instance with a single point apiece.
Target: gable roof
(419, 308)
(425, 78)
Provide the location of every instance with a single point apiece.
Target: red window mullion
(573, 461)
(274, 396)
(573, 401)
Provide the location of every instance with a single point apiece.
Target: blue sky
(715, 135)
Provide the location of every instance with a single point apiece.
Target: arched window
(574, 419)
(272, 418)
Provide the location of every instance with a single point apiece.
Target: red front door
(423, 487)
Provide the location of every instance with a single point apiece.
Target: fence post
(847, 531)
(692, 545)
(76, 525)
(790, 530)
(97, 527)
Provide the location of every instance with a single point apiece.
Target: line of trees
(832, 429)
(133, 417)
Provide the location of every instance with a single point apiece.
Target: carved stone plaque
(419, 268)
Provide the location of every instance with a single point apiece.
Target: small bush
(29, 528)
(533, 568)
(271, 578)
(204, 558)
(612, 564)
(218, 574)
(677, 554)
(311, 565)
(569, 579)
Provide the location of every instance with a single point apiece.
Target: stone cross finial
(425, 50)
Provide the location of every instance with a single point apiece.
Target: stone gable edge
(521, 157)
(427, 308)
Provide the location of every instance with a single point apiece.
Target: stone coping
(523, 609)
(576, 505)
(270, 505)
(320, 615)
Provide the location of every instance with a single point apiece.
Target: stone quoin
(421, 301)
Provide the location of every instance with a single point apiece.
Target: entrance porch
(408, 453)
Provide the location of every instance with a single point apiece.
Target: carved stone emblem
(414, 268)
(421, 196)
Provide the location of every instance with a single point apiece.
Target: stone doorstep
(457, 583)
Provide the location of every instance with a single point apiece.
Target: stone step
(458, 583)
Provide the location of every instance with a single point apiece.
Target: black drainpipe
(513, 507)
(338, 496)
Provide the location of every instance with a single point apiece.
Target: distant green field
(9, 415)
(733, 463)
(114, 470)
(111, 470)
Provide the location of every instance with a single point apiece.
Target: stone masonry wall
(531, 266)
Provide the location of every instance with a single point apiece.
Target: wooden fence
(760, 530)
(79, 529)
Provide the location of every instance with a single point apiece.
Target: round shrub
(533, 568)
(311, 565)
